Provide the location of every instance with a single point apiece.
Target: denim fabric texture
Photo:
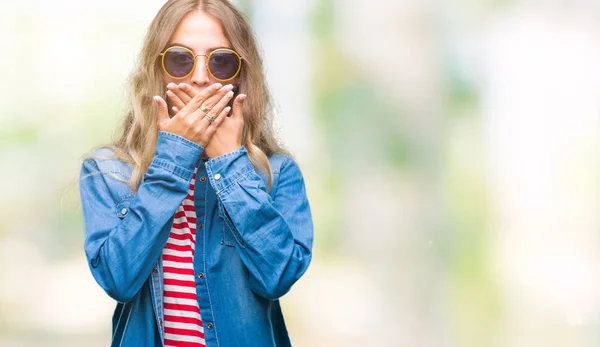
(251, 246)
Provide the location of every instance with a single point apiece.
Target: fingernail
(170, 93)
(230, 94)
(227, 109)
(182, 85)
(218, 86)
(171, 85)
(155, 97)
(242, 97)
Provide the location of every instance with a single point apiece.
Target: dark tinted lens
(223, 64)
(178, 62)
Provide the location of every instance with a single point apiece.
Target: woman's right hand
(190, 121)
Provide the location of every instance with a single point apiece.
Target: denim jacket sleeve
(122, 252)
(274, 235)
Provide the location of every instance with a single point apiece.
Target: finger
(175, 100)
(163, 114)
(197, 100)
(221, 117)
(211, 102)
(222, 103)
(174, 88)
(238, 106)
(187, 90)
(175, 109)
(212, 127)
(216, 110)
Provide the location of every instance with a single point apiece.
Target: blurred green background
(450, 150)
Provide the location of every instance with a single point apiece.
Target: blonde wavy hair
(138, 134)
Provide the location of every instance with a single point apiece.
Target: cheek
(167, 79)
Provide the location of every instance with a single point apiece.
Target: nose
(200, 76)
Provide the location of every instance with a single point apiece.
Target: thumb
(238, 105)
(163, 114)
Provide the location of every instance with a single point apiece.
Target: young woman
(196, 220)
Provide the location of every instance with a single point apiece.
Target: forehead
(200, 32)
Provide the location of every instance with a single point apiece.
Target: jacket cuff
(176, 154)
(227, 169)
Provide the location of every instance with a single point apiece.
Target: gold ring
(204, 109)
(210, 117)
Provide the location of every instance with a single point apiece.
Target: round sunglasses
(223, 64)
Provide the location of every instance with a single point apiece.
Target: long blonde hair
(136, 143)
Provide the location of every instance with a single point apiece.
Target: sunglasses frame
(164, 53)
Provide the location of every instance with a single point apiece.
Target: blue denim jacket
(251, 246)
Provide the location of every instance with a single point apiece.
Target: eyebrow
(209, 50)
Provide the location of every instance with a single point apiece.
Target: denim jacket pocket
(229, 234)
(226, 236)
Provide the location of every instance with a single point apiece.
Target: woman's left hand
(228, 136)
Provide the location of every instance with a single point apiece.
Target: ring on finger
(210, 117)
(204, 109)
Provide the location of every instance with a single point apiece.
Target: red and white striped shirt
(182, 320)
